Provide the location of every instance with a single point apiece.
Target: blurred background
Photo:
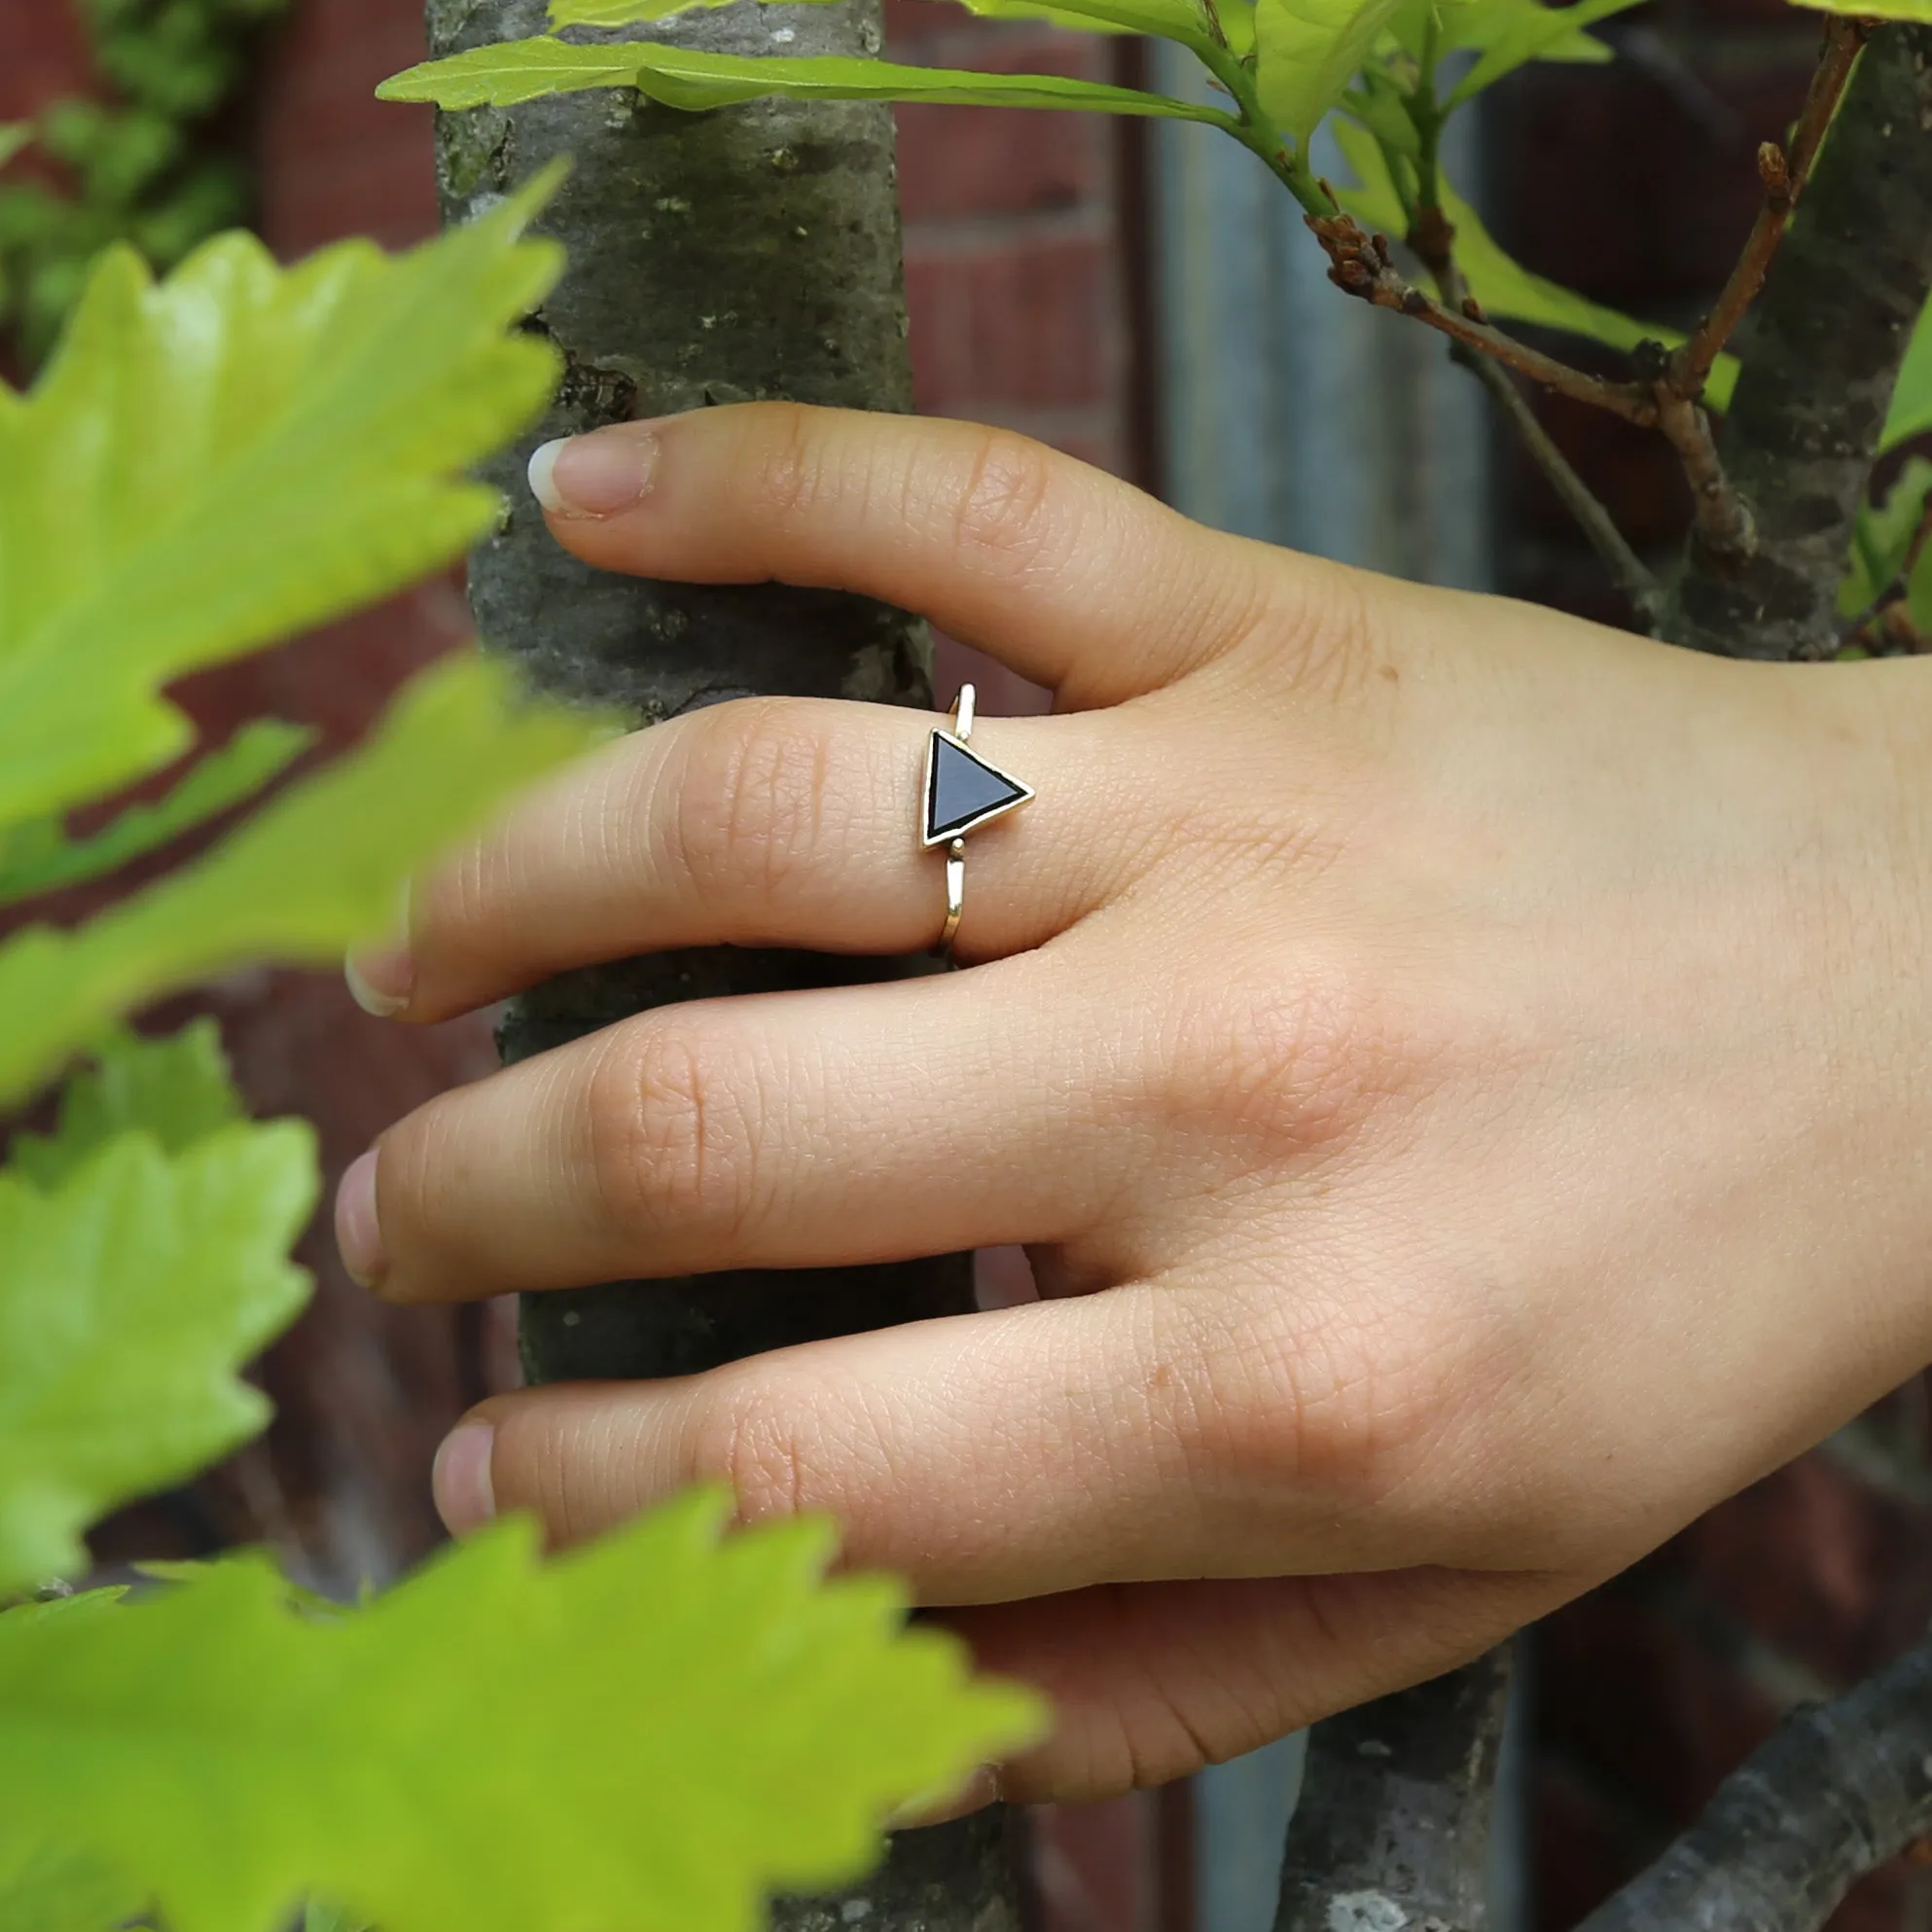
(1144, 298)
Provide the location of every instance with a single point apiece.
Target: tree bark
(1840, 1789)
(1392, 1830)
(1827, 337)
(714, 258)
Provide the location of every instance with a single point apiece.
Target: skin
(1460, 1072)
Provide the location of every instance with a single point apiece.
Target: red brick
(1628, 1692)
(958, 162)
(1633, 473)
(1817, 1563)
(1035, 324)
(43, 54)
(1646, 221)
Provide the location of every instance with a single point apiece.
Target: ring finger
(765, 821)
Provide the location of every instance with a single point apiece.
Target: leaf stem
(1258, 133)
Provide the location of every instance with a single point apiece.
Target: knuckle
(671, 1140)
(786, 473)
(763, 1437)
(1290, 1069)
(1343, 1400)
(1316, 629)
(1001, 518)
(750, 801)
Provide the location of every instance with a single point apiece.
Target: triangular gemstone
(962, 790)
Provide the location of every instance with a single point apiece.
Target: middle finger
(803, 1130)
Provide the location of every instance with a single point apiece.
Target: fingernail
(595, 475)
(979, 1789)
(358, 1235)
(382, 979)
(460, 1480)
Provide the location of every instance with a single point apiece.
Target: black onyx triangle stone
(962, 790)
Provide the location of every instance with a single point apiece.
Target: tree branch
(1392, 1829)
(1361, 265)
(1784, 175)
(1432, 237)
(1639, 586)
(1838, 1790)
(1722, 525)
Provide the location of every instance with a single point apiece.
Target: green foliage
(1504, 288)
(1508, 34)
(1911, 412)
(135, 1278)
(680, 1721)
(1883, 545)
(1175, 19)
(300, 458)
(139, 169)
(38, 856)
(44, 1888)
(677, 1723)
(176, 1090)
(1876, 9)
(1309, 51)
(520, 70)
(318, 868)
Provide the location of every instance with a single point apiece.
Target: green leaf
(40, 857)
(1507, 291)
(1380, 105)
(130, 1294)
(176, 1088)
(1878, 10)
(512, 71)
(508, 72)
(671, 1724)
(1173, 19)
(314, 871)
(622, 13)
(1512, 34)
(241, 451)
(15, 137)
(48, 1888)
(1881, 539)
(1911, 412)
(1309, 51)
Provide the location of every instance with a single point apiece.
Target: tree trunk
(1826, 341)
(714, 258)
(1392, 1829)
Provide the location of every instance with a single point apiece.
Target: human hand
(1460, 1072)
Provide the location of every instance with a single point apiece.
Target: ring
(962, 793)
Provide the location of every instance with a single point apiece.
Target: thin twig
(1432, 236)
(1639, 586)
(1784, 174)
(1842, 1788)
(1361, 264)
(1724, 526)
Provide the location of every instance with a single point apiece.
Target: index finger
(1065, 574)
